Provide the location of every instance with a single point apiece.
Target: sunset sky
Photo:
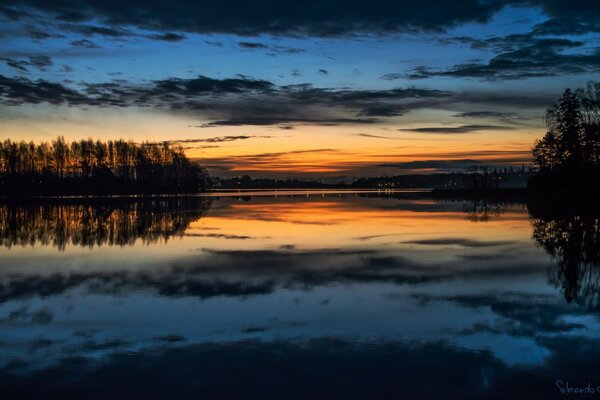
(287, 89)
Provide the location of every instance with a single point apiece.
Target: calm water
(311, 296)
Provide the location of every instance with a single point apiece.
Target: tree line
(97, 166)
(569, 154)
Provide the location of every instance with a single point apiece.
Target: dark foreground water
(319, 296)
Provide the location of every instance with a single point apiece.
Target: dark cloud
(261, 161)
(309, 18)
(224, 236)
(460, 242)
(544, 57)
(39, 62)
(458, 129)
(116, 32)
(323, 71)
(368, 135)
(569, 17)
(271, 50)
(383, 110)
(247, 101)
(512, 42)
(84, 43)
(287, 50)
(252, 45)
(568, 26)
(41, 35)
(393, 76)
(487, 115)
(283, 120)
(168, 37)
(518, 56)
(19, 65)
(218, 139)
(500, 99)
(18, 91)
(92, 30)
(289, 18)
(205, 85)
(14, 12)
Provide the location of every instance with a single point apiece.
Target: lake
(297, 295)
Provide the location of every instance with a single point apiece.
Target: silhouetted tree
(568, 155)
(96, 166)
(573, 124)
(590, 113)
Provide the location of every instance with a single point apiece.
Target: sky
(298, 89)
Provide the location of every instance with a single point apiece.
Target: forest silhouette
(96, 167)
(568, 156)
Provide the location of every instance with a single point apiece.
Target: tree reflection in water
(571, 235)
(95, 222)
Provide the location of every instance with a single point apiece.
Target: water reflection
(572, 237)
(410, 296)
(89, 223)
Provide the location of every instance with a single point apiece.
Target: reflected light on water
(320, 276)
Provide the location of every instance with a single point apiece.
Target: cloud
(18, 91)
(218, 139)
(205, 85)
(461, 242)
(323, 71)
(39, 62)
(243, 100)
(167, 37)
(568, 26)
(368, 135)
(540, 58)
(19, 65)
(459, 161)
(487, 115)
(225, 236)
(84, 43)
(458, 129)
(273, 161)
(271, 50)
(512, 42)
(93, 30)
(42, 35)
(285, 120)
(309, 18)
(287, 50)
(252, 45)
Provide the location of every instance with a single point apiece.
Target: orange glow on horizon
(311, 150)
